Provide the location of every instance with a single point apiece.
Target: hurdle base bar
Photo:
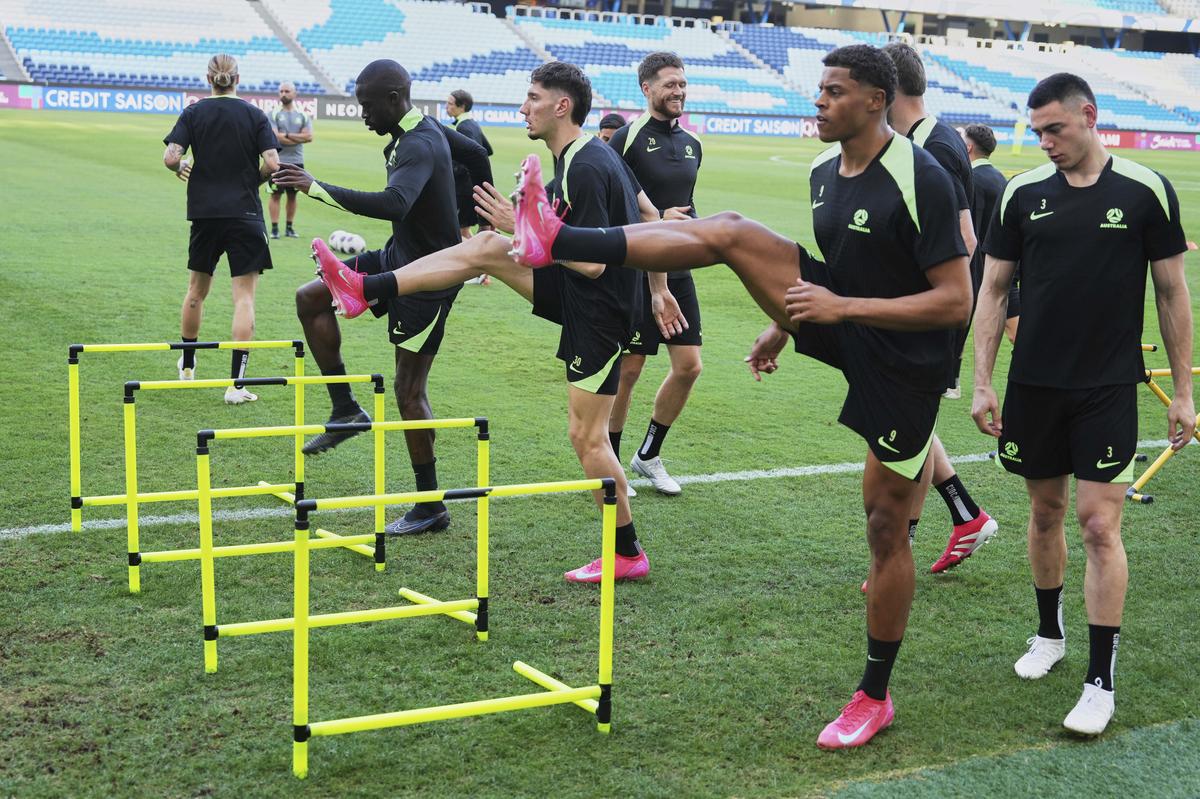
(1141, 499)
(421, 599)
(328, 541)
(481, 707)
(274, 489)
(287, 496)
(348, 617)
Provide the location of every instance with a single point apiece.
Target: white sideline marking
(13, 533)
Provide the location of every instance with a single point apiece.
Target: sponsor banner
(62, 98)
(267, 102)
(1168, 141)
(20, 95)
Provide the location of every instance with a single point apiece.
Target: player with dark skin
(851, 112)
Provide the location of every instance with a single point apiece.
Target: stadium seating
(1009, 75)
(797, 53)
(445, 46)
(122, 43)
(721, 79)
(1170, 79)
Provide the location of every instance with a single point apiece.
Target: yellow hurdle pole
(300, 731)
(608, 565)
(361, 549)
(410, 497)
(73, 443)
(208, 588)
(131, 501)
(422, 599)
(482, 707)
(298, 469)
(550, 684)
(380, 482)
(1149, 348)
(266, 344)
(482, 477)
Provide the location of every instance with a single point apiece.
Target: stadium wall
(166, 101)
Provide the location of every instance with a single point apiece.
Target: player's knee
(309, 300)
(487, 244)
(631, 367)
(687, 372)
(1100, 532)
(728, 227)
(1046, 518)
(887, 530)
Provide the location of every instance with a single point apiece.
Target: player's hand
(185, 170)
(290, 176)
(764, 355)
(808, 302)
(676, 213)
(1181, 422)
(495, 207)
(985, 410)
(667, 314)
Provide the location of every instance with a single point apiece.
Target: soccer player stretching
(1084, 227)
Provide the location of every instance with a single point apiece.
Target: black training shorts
(896, 421)
(271, 187)
(415, 323)
(1089, 432)
(592, 354)
(242, 241)
(646, 336)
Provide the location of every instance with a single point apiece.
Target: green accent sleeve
(898, 161)
(634, 129)
(317, 192)
(1147, 177)
(827, 155)
(1024, 179)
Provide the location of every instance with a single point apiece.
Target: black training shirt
(598, 191)
(419, 198)
(466, 126)
(878, 232)
(989, 187)
(1083, 254)
(948, 149)
(227, 136)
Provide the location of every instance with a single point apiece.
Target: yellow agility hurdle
(78, 500)
(595, 699)
(133, 498)
(1134, 492)
(207, 552)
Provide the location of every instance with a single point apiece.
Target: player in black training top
(227, 137)
(972, 526)
(886, 221)
(594, 301)
(419, 202)
(458, 107)
(665, 158)
(989, 187)
(1083, 226)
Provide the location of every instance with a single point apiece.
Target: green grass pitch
(745, 640)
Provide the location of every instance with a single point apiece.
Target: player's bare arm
(173, 160)
(947, 304)
(990, 313)
(270, 164)
(664, 307)
(1174, 304)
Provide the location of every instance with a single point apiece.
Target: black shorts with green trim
(416, 322)
(273, 189)
(242, 241)
(591, 353)
(896, 420)
(646, 336)
(1089, 432)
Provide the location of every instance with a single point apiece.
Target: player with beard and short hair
(595, 302)
(293, 129)
(665, 157)
(1084, 227)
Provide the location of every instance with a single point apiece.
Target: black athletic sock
(426, 478)
(615, 440)
(596, 245)
(189, 355)
(881, 656)
(627, 541)
(274, 227)
(380, 287)
(656, 433)
(237, 367)
(340, 394)
(912, 530)
(1049, 601)
(962, 508)
(289, 226)
(1102, 662)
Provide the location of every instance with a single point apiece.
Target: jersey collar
(980, 162)
(920, 131)
(411, 119)
(463, 117)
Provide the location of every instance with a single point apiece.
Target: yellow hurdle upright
(74, 438)
(207, 552)
(595, 699)
(133, 496)
(1135, 492)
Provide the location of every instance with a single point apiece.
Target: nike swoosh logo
(573, 369)
(653, 149)
(875, 660)
(1102, 465)
(397, 331)
(888, 446)
(817, 205)
(852, 737)
(1034, 215)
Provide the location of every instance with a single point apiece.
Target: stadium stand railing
(121, 43)
(609, 47)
